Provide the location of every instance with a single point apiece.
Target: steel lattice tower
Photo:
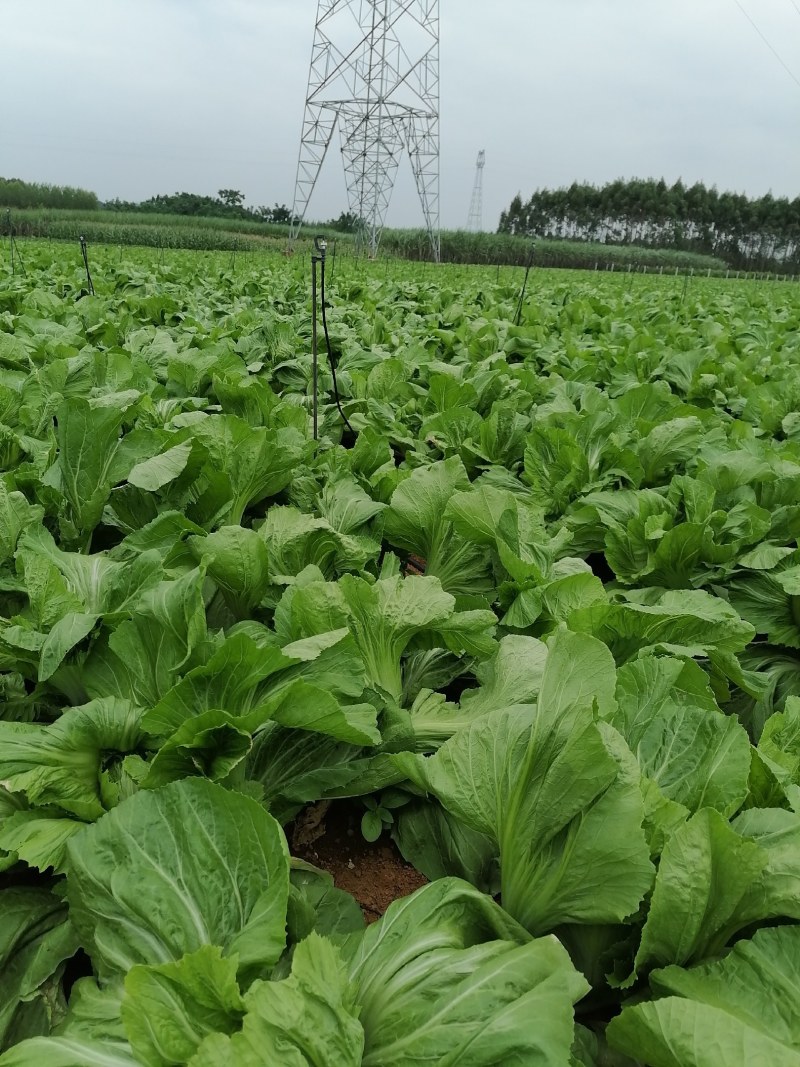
(375, 74)
(475, 217)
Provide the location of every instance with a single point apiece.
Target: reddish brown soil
(375, 874)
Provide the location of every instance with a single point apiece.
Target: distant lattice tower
(374, 73)
(475, 218)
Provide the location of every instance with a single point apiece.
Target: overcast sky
(137, 97)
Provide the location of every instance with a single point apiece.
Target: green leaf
(16, 515)
(252, 462)
(141, 659)
(476, 513)
(438, 845)
(87, 441)
(334, 910)
(295, 767)
(254, 685)
(697, 756)
(556, 468)
(153, 474)
(63, 764)
(169, 1009)
(446, 977)
(704, 877)
(68, 1052)
(309, 707)
(307, 1020)
(417, 521)
(238, 561)
(558, 794)
(39, 838)
(170, 871)
(295, 540)
(66, 633)
(776, 893)
(384, 618)
(738, 1011)
(35, 939)
(232, 681)
(667, 445)
(687, 622)
(371, 825)
(513, 675)
(96, 584)
(211, 744)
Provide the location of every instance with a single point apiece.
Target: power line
(777, 55)
(795, 6)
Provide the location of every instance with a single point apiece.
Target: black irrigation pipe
(14, 248)
(319, 258)
(528, 266)
(85, 254)
(333, 256)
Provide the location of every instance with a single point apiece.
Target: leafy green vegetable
(558, 793)
(446, 976)
(309, 1018)
(36, 937)
(739, 1010)
(170, 871)
(537, 617)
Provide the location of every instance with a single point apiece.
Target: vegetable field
(533, 627)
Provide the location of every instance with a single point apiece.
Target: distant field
(223, 234)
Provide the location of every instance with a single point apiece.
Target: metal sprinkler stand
(13, 249)
(85, 254)
(528, 265)
(317, 257)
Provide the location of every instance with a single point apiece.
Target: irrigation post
(14, 249)
(685, 287)
(317, 257)
(84, 253)
(528, 266)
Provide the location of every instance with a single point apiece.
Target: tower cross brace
(374, 76)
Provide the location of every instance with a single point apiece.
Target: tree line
(228, 203)
(761, 233)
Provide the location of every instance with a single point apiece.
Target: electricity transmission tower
(375, 74)
(475, 217)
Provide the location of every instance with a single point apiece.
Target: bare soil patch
(329, 836)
